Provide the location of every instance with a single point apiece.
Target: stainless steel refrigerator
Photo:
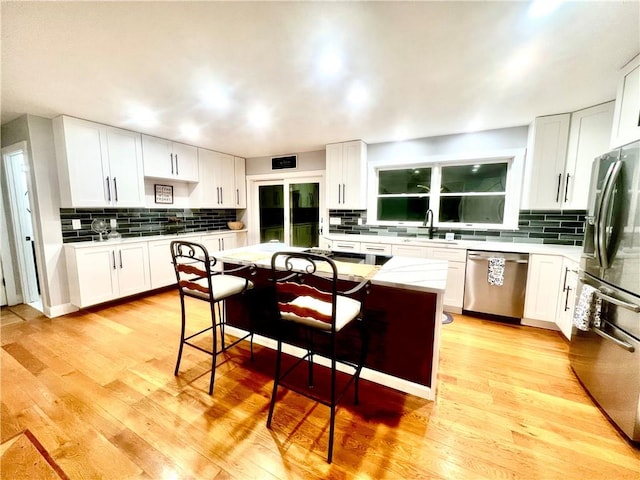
(606, 357)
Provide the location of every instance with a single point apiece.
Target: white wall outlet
(114, 223)
(449, 236)
(335, 221)
(75, 224)
(359, 221)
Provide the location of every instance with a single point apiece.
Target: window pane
(472, 209)
(402, 209)
(410, 180)
(483, 177)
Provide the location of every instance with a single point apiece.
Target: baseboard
(380, 378)
(529, 322)
(59, 310)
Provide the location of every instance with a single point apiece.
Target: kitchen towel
(495, 274)
(588, 309)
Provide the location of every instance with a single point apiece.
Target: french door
(288, 210)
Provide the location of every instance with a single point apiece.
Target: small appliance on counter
(605, 341)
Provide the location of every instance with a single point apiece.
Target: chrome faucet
(428, 221)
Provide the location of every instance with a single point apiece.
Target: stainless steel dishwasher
(480, 295)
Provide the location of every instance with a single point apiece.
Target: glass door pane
(304, 214)
(271, 212)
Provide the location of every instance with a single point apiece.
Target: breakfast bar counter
(402, 313)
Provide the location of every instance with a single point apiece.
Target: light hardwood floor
(97, 390)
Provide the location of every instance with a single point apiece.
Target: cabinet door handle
(222, 243)
(566, 299)
(113, 256)
(171, 155)
(564, 284)
(120, 256)
(558, 190)
(566, 189)
(115, 188)
(221, 196)
(108, 190)
(237, 196)
(177, 172)
(338, 193)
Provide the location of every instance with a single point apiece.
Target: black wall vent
(278, 163)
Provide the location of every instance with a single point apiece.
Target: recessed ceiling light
(540, 8)
(216, 97)
(357, 95)
(329, 64)
(142, 116)
(190, 131)
(259, 117)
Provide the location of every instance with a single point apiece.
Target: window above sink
(472, 192)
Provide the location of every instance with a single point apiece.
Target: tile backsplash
(534, 226)
(142, 222)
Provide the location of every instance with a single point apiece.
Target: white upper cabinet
(626, 120)
(560, 154)
(346, 175)
(241, 182)
(98, 166)
(169, 160)
(588, 138)
(218, 184)
(546, 160)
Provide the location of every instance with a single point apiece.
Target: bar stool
(309, 302)
(197, 279)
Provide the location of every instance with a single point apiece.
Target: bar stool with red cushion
(313, 313)
(198, 279)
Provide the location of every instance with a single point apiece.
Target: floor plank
(97, 388)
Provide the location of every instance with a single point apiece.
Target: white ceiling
(428, 68)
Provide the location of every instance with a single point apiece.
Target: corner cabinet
(99, 273)
(98, 165)
(543, 289)
(222, 183)
(347, 175)
(560, 156)
(626, 120)
(169, 160)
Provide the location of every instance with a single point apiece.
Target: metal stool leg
(182, 331)
(276, 380)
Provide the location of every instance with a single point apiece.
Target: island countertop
(408, 273)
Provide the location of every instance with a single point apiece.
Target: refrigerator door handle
(621, 343)
(609, 299)
(600, 242)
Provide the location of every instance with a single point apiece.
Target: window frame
(513, 189)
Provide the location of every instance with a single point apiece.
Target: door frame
(253, 198)
(27, 272)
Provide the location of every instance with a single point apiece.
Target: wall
(534, 226)
(307, 161)
(38, 134)
(143, 222)
(464, 143)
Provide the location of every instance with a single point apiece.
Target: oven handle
(621, 343)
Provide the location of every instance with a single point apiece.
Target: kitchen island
(402, 314)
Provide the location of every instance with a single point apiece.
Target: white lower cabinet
(218, 242)
(161, 264)
(454, 290)
(101, 273)
(567, 300)
(543, 288)
(409, 251)
(456, 271)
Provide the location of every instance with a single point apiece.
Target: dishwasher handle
(479, 256)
